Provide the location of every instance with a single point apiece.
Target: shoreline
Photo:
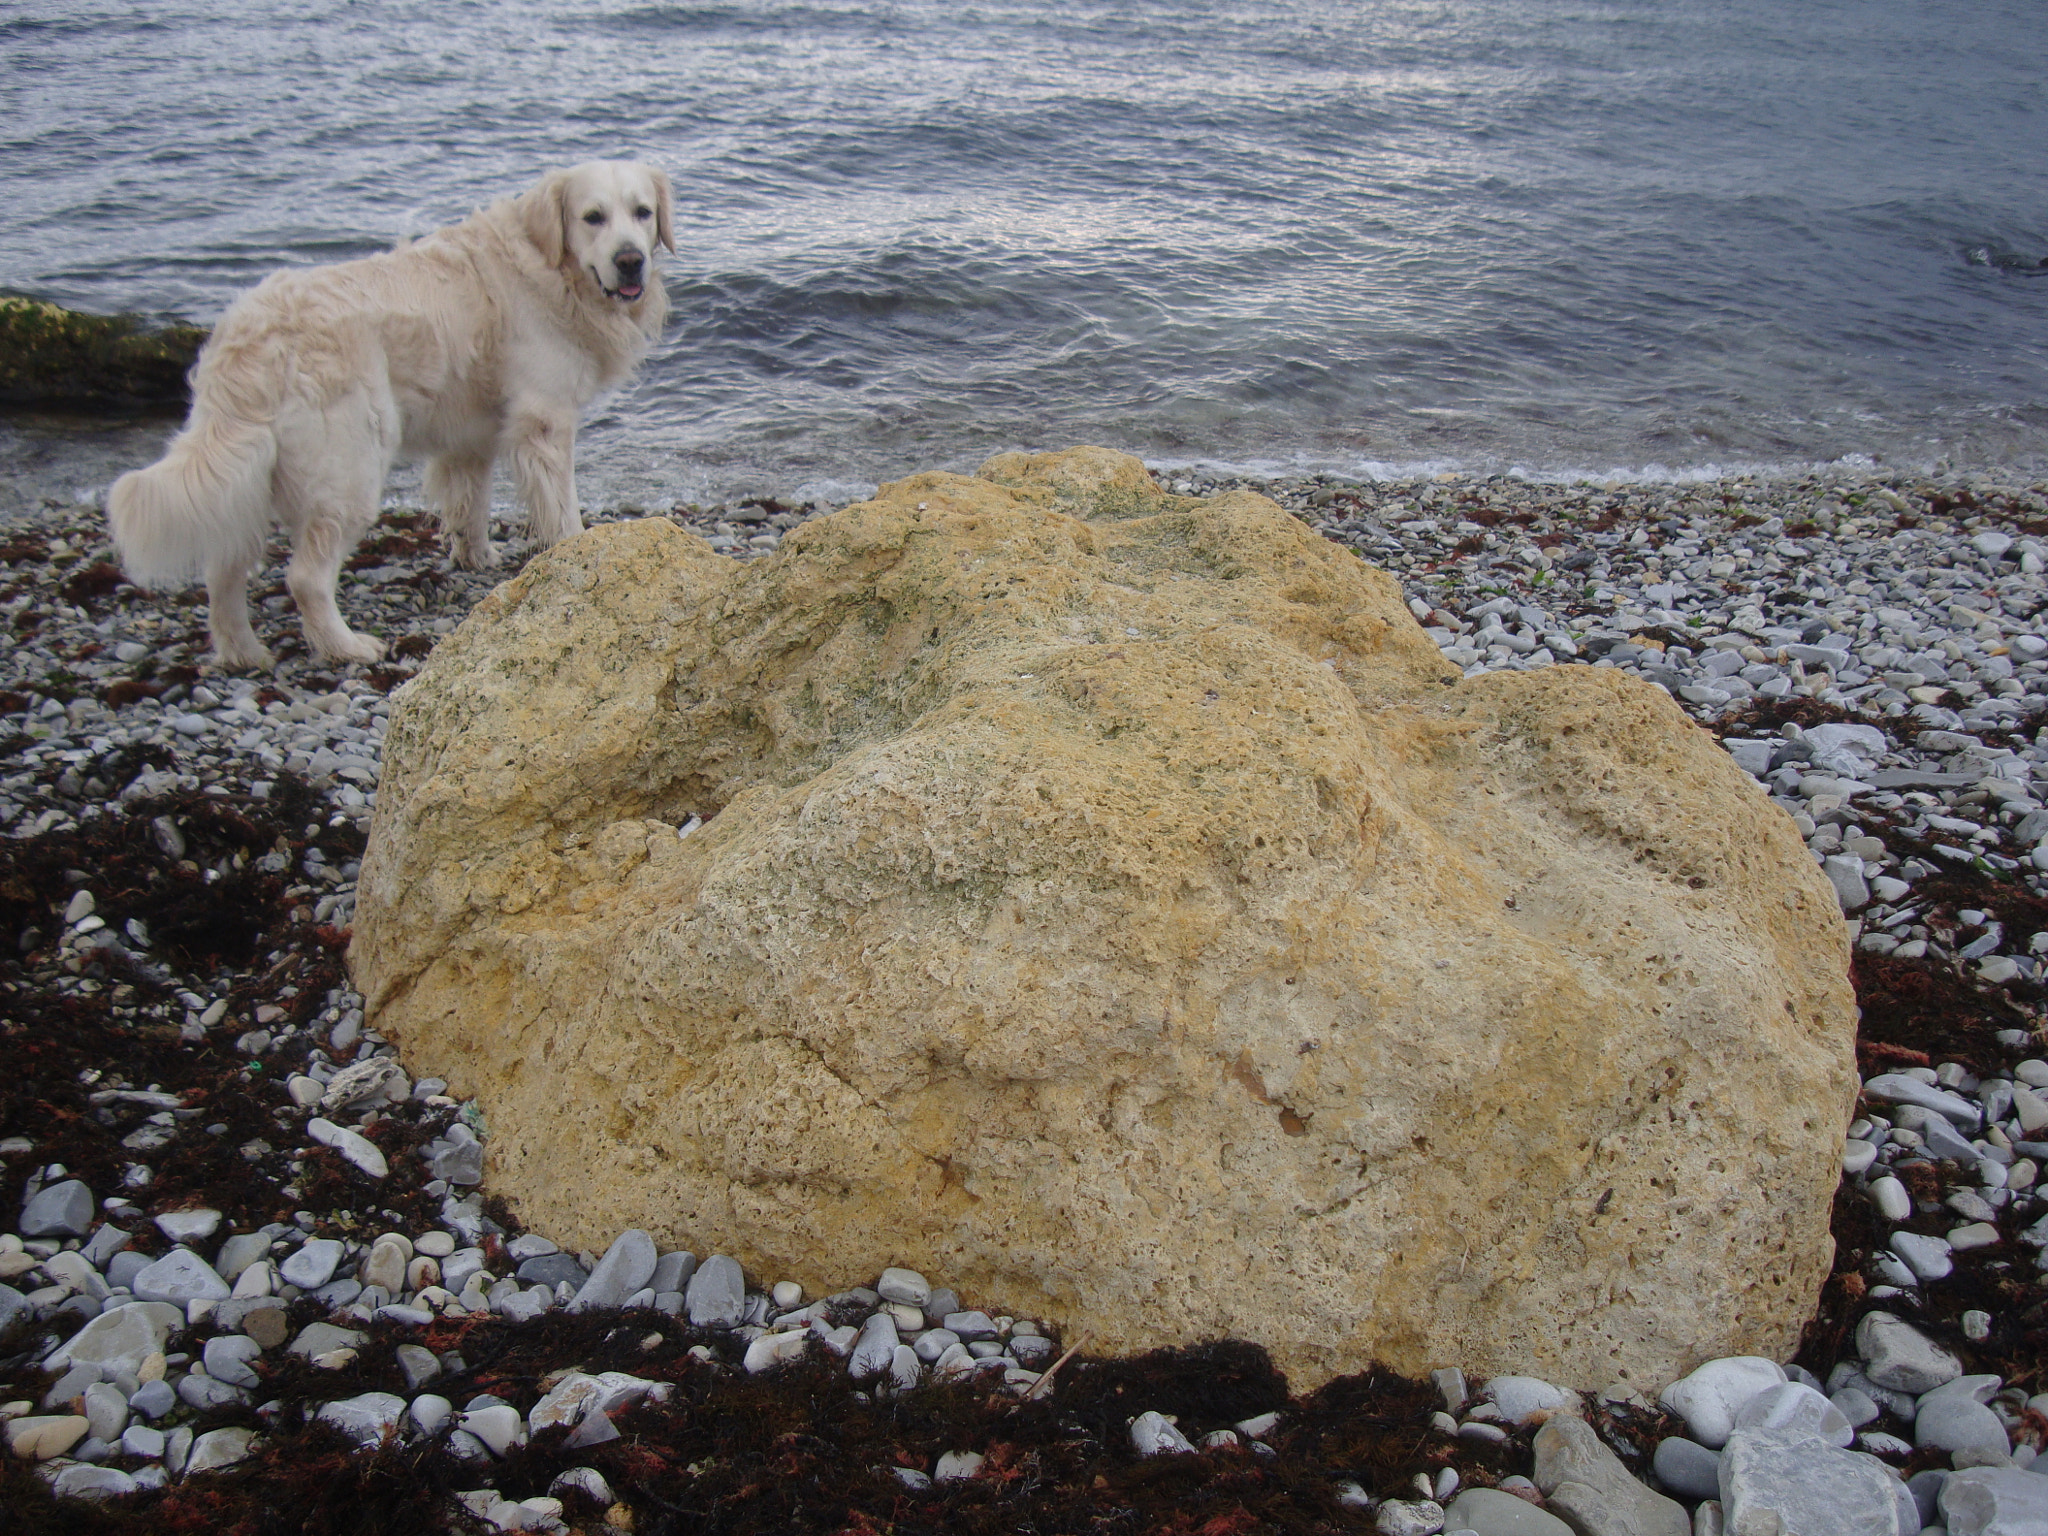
(113, 729)
(72, 458)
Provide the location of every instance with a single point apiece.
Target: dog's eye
(593, 218)
(643, 214)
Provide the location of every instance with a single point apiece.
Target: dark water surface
(1564, 237)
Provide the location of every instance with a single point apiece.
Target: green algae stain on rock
(55, 359)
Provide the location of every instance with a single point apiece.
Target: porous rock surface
(1112, 901)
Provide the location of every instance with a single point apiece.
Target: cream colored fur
(482, 339)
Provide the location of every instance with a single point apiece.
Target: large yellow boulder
(1109, 904)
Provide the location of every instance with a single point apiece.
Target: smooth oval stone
(773, 1349)
(430, 1411)
(1709, 1399)
(1687, 1468)
(1958, 1423)
(38, 1437)
(154, 1399)
(905, 1286)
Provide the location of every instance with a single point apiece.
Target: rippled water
(1303, 232)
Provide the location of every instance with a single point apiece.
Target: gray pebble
(1899, 1356)
(934, 1342)
(365, 1419)
(553, 1269)
(64, 1209)
(239, 1252)
(69, 1386)
(716, 1296)
(672, 1271)
(418, 1364)
(179, 1277)
(942, 1302)
(525, 1306)
(188, 1226)
(153, 1399)
(101, 1247)
(203, 1391)
(905, 1286)
(626, 1267)
(874, 1351)
(314, 1264)
(1688, 1468)
(1030, 1351)
(228, 1357)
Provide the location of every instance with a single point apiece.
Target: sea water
(1560, 236)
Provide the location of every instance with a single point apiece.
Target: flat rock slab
(1091, 887)
(1586, 1483)
(1995, 1501)
(121, 1338)
(180, 1276)
(1779, 1485)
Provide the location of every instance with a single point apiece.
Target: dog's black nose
(629, 263)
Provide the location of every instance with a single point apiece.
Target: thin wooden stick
(1043, 1384)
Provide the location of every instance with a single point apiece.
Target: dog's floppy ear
(664, 210)
(541, 214)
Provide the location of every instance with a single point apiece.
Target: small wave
(2015, 262)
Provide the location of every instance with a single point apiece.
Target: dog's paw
(255, 658)
(351, 647)
(475, 555)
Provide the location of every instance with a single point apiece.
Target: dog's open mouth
(629, 289)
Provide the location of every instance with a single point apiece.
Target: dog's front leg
(544, 464)
(460, 484)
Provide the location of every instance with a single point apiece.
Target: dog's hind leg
(544, 463)
(460, 484)
(322, 541)
(235, 645)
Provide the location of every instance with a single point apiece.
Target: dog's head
(603, 220)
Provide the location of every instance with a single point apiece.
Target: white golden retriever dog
(484, 338)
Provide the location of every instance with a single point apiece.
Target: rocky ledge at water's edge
(182, 858)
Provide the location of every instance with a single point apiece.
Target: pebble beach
(251, 1269)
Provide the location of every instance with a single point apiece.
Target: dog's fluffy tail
(204, 503)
